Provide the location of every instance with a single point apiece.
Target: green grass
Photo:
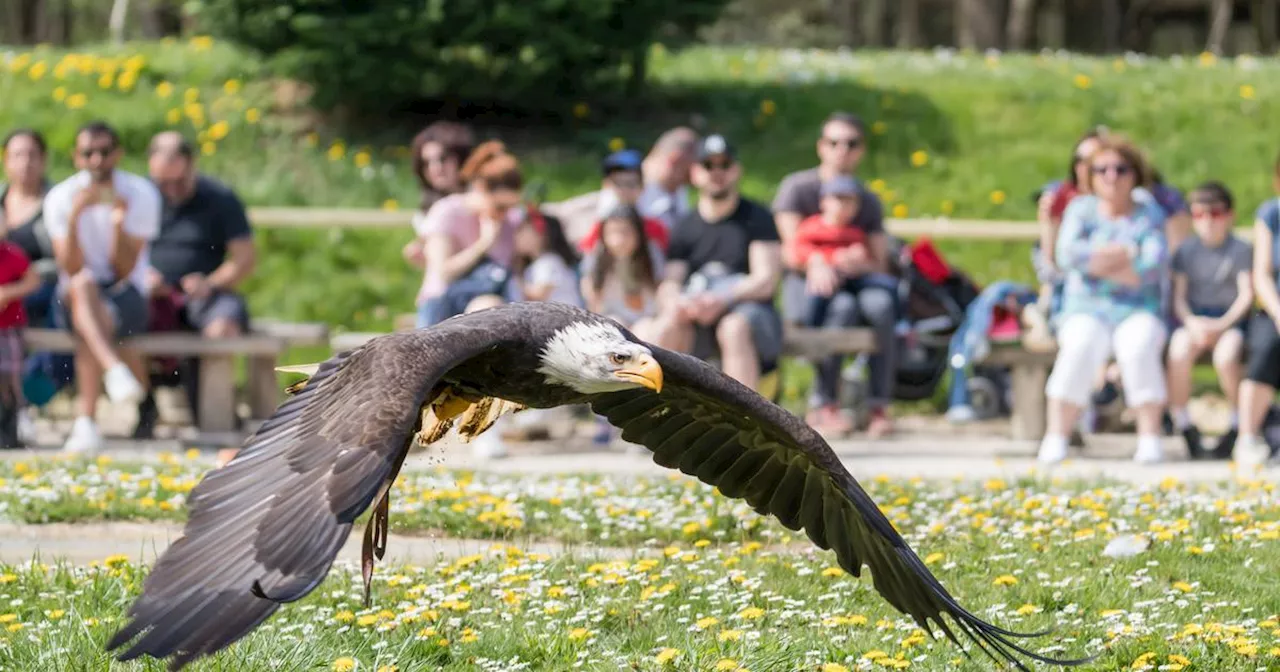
(1025, 554)
(959, 135)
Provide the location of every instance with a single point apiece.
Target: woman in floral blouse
(1113, 253)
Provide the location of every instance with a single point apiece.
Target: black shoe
(1191, 434)
(9, 429)
(1076, 440)
(1226, 445)
(1166, 423)
(148, 418)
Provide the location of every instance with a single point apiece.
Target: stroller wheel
(984, 397)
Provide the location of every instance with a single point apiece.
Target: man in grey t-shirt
(1212, 298)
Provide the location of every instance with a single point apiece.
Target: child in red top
(830, 234)
(18, 279)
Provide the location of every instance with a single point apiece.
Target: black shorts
(197, 314)
(128, 309)
(766, 333)
(1262, 343)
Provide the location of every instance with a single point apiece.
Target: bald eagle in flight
(265, 528)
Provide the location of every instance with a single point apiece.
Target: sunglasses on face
(89, 152)
(1207, 210)
(717, 165)
(1117, 169)
(846, 143)
(625, 182)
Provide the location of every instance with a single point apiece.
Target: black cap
(715, 145)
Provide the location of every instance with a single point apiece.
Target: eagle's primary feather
(266, 528)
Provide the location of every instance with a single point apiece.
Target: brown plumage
(265, 529)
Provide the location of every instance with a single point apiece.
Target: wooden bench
(261, 348)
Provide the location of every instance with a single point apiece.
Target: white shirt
(142, 220)
(550, 269)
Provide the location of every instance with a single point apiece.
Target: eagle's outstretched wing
(266, 528)
(707, 425)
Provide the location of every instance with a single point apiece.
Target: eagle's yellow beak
(645, 371)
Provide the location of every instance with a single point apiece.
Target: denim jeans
(872, 300)
(487, 277)
(969, 342)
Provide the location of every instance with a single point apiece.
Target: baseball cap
(623, 159)
(840, 185)
(715, 145)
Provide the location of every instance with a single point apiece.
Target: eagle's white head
(594, 357)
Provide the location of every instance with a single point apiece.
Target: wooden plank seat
(217, 370)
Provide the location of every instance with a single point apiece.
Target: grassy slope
(961, 135)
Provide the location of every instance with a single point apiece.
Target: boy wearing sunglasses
(1212, 299)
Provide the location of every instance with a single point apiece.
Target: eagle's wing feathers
(707, 425)
(266, 528)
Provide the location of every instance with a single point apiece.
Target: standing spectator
(1212, 299)
(18, 280)
(1262, 374)
(624, 185)
(846, 285)
(1113, 254)
(840, 149)
(470, 238)
(438, 152)
(203, 251)
(721, 274)
(101, 221)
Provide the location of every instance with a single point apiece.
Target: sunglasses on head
(847, 143)
(1117, 169)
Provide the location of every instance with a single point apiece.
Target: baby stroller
(933, 296)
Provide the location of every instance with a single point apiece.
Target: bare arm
(787, 223)
(878, 247)
(452, 265)
(1264, 282)
(590, 297)
(66, 250)
(22, 288)
(1181, 308)
(241, 258)
(764, 260)
(1177, 227)
(673, 279)
(125, 248)
(1243, 303)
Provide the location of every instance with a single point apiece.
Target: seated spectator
(722, 270)
(438, 152)
(470, 238)
(619, 280)
(204, 250)
(1262, 373)
(18, 280)
(665, 197)
(1212, 299)
(846, 285)
(1112, 252)
(624, 185)
(22, 215)
(841, 147)
(1052, 204)
(545, 262)
(101, 221)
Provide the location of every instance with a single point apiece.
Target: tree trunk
(873, 21)
(1022, 14)
(1052, 30)
(1219, 21)
(978, 24)
(1112, 25)
(1265, 17)
(908, 24)
(116, 24)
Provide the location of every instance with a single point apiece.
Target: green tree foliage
(529, 54)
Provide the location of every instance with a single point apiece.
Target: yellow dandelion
(60, 94)
(1118, 65)
(667, 655)
(128, 79)
(997, 197)
(173, 116)
(38, 70)
(1006, 580)
(219, 130)
(1027, 609)
(879, 128)
(1083, 81)
(106, 81)
(616, 145)
(834, 667)
(388, 668)
(8, 618)
(202, 43)
(192, 453)
(208, 148)
(831, 572)
(768, 108)
(336, 151)
(344, 665)
(729, 635)
(252, 115)
(581, 110)
(1247, 91)
(900, 211)
(391, 205)
(1207, 59)
(1182, 586)
(1143, 660)
(55, 614)
(877, 185)
(726, 665)
(191, 95)
(751, 613)
(919, 158)
(76, 101)
(706, 622)
(231, 87)
(363, 159)
(15, 627)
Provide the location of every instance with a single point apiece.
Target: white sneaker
(1251, 453)
(489, 445)
(1148, 452)
(122, 387)
(84, 437)
(26, 427)
(1053, 449)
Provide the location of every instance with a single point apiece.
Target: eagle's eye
(619, 358)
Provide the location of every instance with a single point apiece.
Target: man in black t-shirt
(722, 270)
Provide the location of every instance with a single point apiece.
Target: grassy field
(963, 135)
(705, 585)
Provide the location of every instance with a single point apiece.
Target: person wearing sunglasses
(1212, 300)
(1114, 257)
(438, 153)
(721, 273)
(1262, 372)
(101, 221)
